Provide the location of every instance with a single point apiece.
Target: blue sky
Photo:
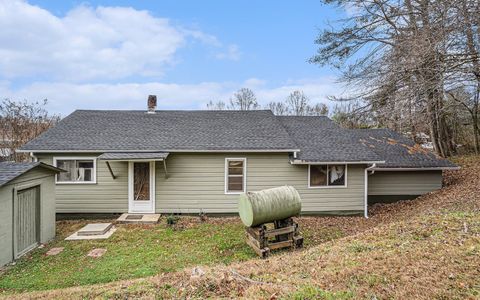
(112, 54)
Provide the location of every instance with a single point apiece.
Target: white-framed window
(235, 175)
(79, 170)
(327, 176)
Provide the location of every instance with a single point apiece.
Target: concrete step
(95, 229)
(139, 218)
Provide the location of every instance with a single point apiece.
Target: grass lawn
(135, 251)
(132, 251)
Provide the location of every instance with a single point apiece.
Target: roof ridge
(175, 110)
(166, 130)
(296, 116)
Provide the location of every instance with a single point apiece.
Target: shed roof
(399, 151)
(11, 170)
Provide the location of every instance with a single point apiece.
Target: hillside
(422, 249)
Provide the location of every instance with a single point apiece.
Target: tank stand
(271, 236)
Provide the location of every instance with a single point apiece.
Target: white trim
(244, 159)
(365, 195)
(94, 173)
(303, 162)
(166, 150)
(147, 206)
(329, 186)
(415, 169)
(133, 159)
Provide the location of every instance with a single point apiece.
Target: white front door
(141, 187)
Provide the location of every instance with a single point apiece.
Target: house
(200, 161)
(27, 198)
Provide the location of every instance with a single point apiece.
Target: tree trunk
(476, 133)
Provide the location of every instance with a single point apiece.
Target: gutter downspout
(165, 168)
(34, 158)
(365, 196)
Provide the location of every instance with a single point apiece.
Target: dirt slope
(423, 249)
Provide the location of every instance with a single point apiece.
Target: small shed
(27, 207)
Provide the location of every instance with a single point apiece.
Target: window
(327, 175)
(78, 170)
(141, 181)
(235, 175)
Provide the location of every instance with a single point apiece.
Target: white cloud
(72, 60)
(232, 53)
(90, 43)
(66, 97)
(318, 90)
(254, 83)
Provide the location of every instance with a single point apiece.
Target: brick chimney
(152, 104)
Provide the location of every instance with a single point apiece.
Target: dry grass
(423, 249)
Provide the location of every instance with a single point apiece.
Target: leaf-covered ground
(423, 249)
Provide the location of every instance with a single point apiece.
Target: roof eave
(39, 164)
(49, 167)
(167, 150)
(359, 162)
(415, 168)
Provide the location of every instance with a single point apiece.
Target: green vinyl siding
(6, 221)
(196, 182)
(404, 182)
(37, 177)
(108, 195)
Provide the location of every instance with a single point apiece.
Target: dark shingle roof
(132, 155)
(164, 131)
(399, 151)
(320, 139)
(11, 170)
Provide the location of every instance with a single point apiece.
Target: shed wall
(6, 213)
(38, 176)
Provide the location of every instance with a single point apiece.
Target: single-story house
(27, 214)
(200, 161)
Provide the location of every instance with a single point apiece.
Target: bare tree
(278, 108)
(463, 62)
(297, 103)
(471, 104)
(244, 99)
(349, 115)
(219, 105)
(403, 57)
(319, 109)
(21, 122)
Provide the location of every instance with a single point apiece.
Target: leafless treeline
(414, 66)
(296, 104)
(20, 122)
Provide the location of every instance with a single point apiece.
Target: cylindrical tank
(269, 205)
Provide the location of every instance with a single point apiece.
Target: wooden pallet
(272, 236)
